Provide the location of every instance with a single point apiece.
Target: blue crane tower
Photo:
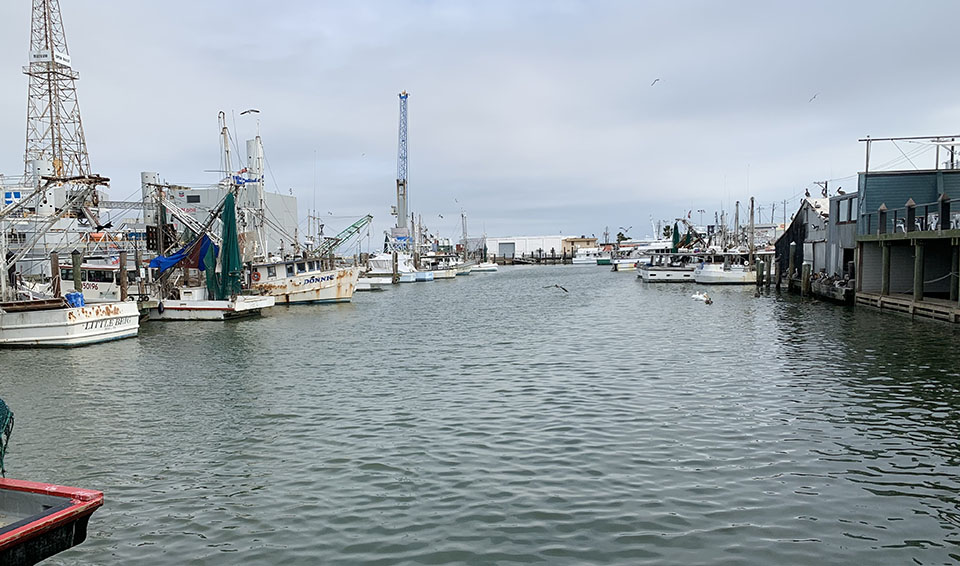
(402, 166)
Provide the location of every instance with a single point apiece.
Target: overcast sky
(533, 117)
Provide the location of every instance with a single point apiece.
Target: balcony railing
(943, 214)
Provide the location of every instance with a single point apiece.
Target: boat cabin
(99, 282)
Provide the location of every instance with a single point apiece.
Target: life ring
(255, 276)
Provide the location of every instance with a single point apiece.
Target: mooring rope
(940, 278)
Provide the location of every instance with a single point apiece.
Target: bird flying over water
(558, 287)
(812, 97)
(655, 81)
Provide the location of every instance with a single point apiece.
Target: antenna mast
(54, 130)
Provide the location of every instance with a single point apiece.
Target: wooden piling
(760, 272)
(791, 265)
(884, 268)
(55, 274)
(918, 270)
(769, 265)
(805, 280)
(77, 263)
(954, 270)
(396, 276)
(122, 274)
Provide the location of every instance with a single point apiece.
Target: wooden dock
(929, 308)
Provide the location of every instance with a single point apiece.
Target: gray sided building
(842, 235)
(908, 240)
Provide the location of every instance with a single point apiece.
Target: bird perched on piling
(840, 191)
(558, 287)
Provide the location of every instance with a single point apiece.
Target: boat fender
(160, 307)
(255, 276)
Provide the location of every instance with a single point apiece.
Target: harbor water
(500, 419)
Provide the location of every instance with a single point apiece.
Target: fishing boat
(485, 267)
(29, 318)
(304, 281)
(309, 276)
(728, 268)
(222, 297)
(668, 268)
(380, 268)
(55, 323)
(589, 256)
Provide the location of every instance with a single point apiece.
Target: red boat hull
(41, 519)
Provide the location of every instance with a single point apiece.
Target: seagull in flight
(655, 81)
(812, 97)
(558, 287)
(250, 111)
(440, 215)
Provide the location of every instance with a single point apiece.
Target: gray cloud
(535, 116)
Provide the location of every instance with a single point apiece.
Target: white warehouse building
(518, 246)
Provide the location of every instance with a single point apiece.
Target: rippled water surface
(496, 419)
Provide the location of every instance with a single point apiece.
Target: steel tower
(402, 164)
(54, 130)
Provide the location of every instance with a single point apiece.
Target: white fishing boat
(485, 267)
(668, 268)
(730, 268)
(588, 256)
(195, 303)
(304, 281)
(53, 322)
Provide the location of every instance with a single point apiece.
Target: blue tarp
(166, 262)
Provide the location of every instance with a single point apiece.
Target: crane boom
(402, 163)
(330, 244)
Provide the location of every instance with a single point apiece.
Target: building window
(844, 210)
(271, 271)
(193, 198)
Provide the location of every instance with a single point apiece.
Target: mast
(736, 224)
(751, 242)
(256, 200)
(463, 219)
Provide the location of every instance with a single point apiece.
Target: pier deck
(929, 308)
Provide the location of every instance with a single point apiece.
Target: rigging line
(898, 160)
(913, 153)
(941, 278)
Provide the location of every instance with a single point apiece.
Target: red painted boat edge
(84, 502)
